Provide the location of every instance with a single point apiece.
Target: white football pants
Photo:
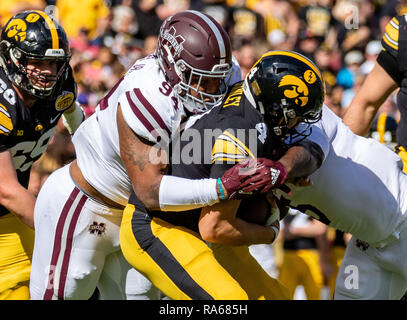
(77, 247)
(371, 273)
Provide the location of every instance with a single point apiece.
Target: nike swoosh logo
(52, 120)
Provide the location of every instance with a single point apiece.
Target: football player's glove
(233, 178)
(268, 174)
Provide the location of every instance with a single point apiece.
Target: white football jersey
(360, 187)
(151, 110)
(149, 107)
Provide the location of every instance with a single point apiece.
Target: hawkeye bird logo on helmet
(33, 35)
(17, 29)
(297, 90)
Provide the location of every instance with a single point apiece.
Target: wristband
(222, 193)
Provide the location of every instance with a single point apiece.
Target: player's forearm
(219, 224)
(360, 114)
(300, 161)
(20, 202)
(239, 233)
(375, 90)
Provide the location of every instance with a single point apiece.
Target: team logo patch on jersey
(362, 245)
(64, 101)
(296, 89)
(97, 228)
(17, 29)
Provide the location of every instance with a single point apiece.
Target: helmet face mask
(39, 39)
(287, 88)
(194, 53)
(199, 89)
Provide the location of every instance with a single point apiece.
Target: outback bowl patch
(64, 101)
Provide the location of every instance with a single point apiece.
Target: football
(255, 209)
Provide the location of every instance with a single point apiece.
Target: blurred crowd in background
(107, 37)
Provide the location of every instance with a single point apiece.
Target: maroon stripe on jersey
(68, 248)
(151, 110)
(104, 103)
(140, 116)
(57, 243)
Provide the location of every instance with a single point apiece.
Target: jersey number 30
(25, 153)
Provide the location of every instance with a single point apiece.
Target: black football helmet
(34, 35)
(193, 47)
(285, 85)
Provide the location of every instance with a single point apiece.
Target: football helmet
(34, 35)
(192, 50)
(286, 86)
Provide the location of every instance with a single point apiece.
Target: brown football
(255, 209)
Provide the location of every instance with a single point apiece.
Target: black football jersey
(227, 134)
(394, 60)
(26, 131)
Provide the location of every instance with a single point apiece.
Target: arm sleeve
(180, 194)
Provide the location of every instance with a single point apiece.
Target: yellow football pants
(16, 247)
(301, 267)
(179, 263)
